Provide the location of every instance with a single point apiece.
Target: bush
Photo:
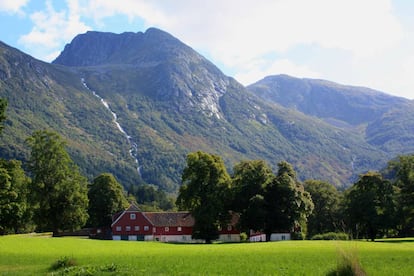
(63, 262)
(331, 236)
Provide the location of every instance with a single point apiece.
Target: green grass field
(34, 255)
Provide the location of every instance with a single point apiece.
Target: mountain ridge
(171, 101)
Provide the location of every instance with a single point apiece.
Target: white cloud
(237, 31)
(253, 39)
(13, 6)
(52, 28)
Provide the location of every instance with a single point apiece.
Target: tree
(287, 203)
(106, 197)
(3, 106)
(204, 192)
(402, 172)
(248, 185)
(369, 204)
(15, 212)
(326, 200)
(59, 190)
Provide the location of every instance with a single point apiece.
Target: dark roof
(170, 218)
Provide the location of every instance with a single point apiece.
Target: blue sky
(358, 42)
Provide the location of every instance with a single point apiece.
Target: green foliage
(151, 198)
(326, 199)
(3, 106)
(63, 262)
(15, 209)
(106, 197)
(59, 190)
(331, 236)
(370, 205)
(249, 181)
(205, 191)
(402, 171)
(287, 203)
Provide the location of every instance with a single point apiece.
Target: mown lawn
(34, 255)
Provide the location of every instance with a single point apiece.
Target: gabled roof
(118, 216)
(160, 219)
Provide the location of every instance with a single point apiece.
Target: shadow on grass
(402, 240)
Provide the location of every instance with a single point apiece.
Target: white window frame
(179, 229)
(128, 228)
(132, 216)
(146, 228)
(136, 228)
(118, 228)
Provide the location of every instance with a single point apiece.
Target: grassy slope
(25, 255)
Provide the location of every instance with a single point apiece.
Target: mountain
(382, 120)
(135, 104)
(47, 96)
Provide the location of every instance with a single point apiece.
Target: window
(132, 216)
(146, 228)
(118, 228)
(228, 227)
(179, 229)
(167, 229)
(136, 228)
(128, 228)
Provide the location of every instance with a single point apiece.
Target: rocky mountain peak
(182, 76)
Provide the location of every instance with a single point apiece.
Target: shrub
(243, 237)
(331, 236)
(63, 262)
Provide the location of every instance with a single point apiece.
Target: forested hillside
(135, 104)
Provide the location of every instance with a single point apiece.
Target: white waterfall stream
(133, 152)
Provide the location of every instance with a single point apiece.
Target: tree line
(378, 204)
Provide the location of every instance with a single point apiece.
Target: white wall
(229, 237)
(280, 237)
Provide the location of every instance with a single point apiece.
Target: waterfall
(133, 151)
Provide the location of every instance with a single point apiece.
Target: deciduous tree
(59, 190)
(369, 205)
(248, 185)
(326, 200)
(15, 212)
(287, 203)
(402, 170)
(106, 197)
(204, 193)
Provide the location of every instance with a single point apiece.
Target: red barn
(133, 224)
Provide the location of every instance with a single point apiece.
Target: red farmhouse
(135, 225)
